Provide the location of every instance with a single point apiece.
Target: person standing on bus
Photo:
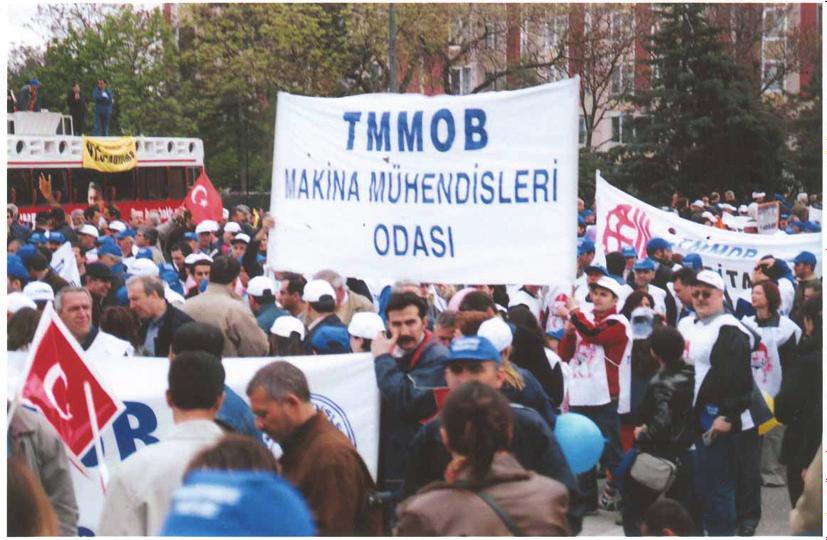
(77, 109)
(29, 96)
(103, 107)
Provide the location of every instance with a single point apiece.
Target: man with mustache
(409, 367)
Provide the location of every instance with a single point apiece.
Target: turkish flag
(203, 200)
(55, 383)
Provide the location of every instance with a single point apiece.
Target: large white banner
(459, 189)
(623, 220)
(65, 265)
(343, 386)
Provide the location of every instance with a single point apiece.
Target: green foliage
(803, 158)
(135, 51)
(706, 128)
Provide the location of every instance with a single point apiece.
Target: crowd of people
(29, 99)
(676, 372)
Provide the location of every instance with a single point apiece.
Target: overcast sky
(19, 15)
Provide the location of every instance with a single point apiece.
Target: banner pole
(102, 468)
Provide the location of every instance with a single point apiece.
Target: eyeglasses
(474, 368)
(761, 268)
(701, 293)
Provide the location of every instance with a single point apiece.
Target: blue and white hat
(237, 503)
(472, 349)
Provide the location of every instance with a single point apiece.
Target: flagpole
(102, 468)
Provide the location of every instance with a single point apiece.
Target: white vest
(766, 364)
(589, 383)
(787, 290)
(106, 346)
(699, 339)
(554, 298)
(659, 296)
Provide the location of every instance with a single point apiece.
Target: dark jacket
(529, 352)
(55, 281)
(322, 463)
(729, 383)
(77, 109)
(666, 411)
(235, 415)
(798, 403)
(102, 98)
(534, 445)
(536, 504)
(531, 396)
(267, 315)
(170, 321)
(408, 388)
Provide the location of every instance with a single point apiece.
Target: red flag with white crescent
(203, 200)
(57, 381)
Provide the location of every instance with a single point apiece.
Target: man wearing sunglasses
(719, 348)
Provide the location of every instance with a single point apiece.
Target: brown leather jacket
(322, 463)
(535, 503)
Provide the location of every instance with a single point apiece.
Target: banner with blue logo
(341, 386)
(460, 189)
(623, 220)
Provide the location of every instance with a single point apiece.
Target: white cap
(241, 237)
(119, 226)
(758, 194)
(713, 279)
(232, 226)
(366, 325)
(315, 289)
(285, 325)
(17, 301)
(260, 285)
(708, 215)
(205, 226)
(743, 209)
(497, 332)
(193, 257)
(91, 230)
(609, 283)
(143, 267)
(225, 213)
(698, 202)
(39, 291)
(729, 207)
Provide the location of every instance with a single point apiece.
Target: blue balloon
(580, 440)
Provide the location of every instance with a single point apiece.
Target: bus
(167, 168)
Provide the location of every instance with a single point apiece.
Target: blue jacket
(331, 319)
(531, 396)
(236, 415)
(407, 386)
(102, 102)
(534, 445)
(267, 315)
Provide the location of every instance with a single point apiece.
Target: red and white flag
(203, 200)
(59, 382)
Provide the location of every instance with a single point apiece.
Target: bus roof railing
(65, 151)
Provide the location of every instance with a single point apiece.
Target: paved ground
(775, 517)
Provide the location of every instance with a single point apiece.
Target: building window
(581, 137)
(623, 130)
(556, 31)
(622, 25)
(773, 48)
(491, 36)
(461, 80)
(623, 79)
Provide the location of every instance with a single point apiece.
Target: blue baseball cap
(628, 252)
(34, 82)
(330, 340)
(144, 253)
(37, 238)
(657, 243)
(596, 268)
(16, 268)
(105, 240)
(109, 248)
(128, 233)
(805, 257)
(191, 236)
(472, 349)
(56, 237)
(586, 213)
(556, 334)
(644, 264)
(586, 246)
(122, 295)
(237, 503)
(810, 226)
(693, 261)
(580, 220)
(26, 252)
(171, 279)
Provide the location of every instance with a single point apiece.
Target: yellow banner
(109, 154)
